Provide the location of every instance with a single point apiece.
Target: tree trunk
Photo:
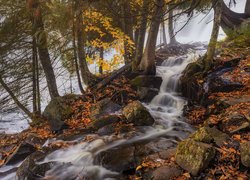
(12, 95)
(148, 59)
(34, 83)
(171, 28)
(247, 8)
(214, 36)
(127, 26)
(43, 51)
(75, 55)
(101, 57)
(85, 73)
(141, 35)
(231, 20)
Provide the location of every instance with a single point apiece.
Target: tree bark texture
(148, 59)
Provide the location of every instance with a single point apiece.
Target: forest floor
(228, 110)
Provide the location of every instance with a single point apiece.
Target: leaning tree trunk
(85, 73)
(141, 34)
(171, 28)
(247, 8)
(148, 59)
(214, 36)
(41, 39)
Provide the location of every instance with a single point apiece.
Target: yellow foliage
(98, 23)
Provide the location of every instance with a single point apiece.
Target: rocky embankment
(219, 106)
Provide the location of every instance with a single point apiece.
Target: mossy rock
(58, 110)
(210, 135)
(194, 156)
(147, 81)
(245, 153)
(137, 114)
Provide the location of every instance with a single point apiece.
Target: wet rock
(166, 173)
(194, 156)
(58, 110)
(210, 135)
(22, 151)
(167, 154)
(119, 159)
(102, 121)
(147, 81)
(245, 153)
(137, 114)
(30, 170)
(106, 130)
(147, 94)
(103, 108)
(235, 123)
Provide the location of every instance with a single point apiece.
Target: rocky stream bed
(146, 130)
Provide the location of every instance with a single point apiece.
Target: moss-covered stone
(245, 153)
(147, 81)
(58, 110)
(210, 135)
(137, 114)
(194, 156)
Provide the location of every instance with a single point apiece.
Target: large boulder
(147, 94)
(120, 159)
(58, 110)
(103, 108)
(137, 114)
(30, 169)
(245, 153)
(104, 113)
(194, 156)
(147, 81)
(103, 121)
(210, 135)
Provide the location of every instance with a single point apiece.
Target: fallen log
(107, 80)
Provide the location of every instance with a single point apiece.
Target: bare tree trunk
(148, 59)
(85, 73)
(214, 36)
(171, 28)
(102, 57)
(34, 76)
(43, 52)
(75, 55)
(141, 35)
(12, 95)
(38, 87)
(247, 8)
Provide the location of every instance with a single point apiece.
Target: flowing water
(78, 161)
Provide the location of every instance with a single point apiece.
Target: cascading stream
(78, 161)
